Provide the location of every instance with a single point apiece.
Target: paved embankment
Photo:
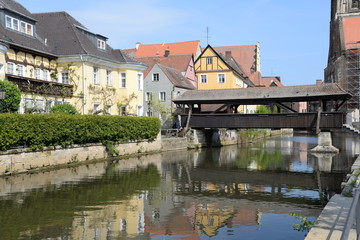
(331, 222)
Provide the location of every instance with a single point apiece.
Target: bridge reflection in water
(231, 192)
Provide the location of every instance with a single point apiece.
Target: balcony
(41, 87)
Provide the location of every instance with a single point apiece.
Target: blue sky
(293, 35)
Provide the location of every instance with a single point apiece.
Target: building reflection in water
(197, 193)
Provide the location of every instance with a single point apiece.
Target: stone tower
(344, 50)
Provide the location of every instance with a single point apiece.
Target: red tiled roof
(351, 31)
(190, 47)
(179, 62)
(244, 55)
(271, 82)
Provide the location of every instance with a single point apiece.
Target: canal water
(258, 191)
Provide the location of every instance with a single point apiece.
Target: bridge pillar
(325, 144)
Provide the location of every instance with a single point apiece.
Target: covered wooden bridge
(219, 108)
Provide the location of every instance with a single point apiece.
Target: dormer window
(17, 25)
(101, 44)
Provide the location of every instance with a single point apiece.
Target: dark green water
(224, 193)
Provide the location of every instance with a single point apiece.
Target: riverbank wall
(23, 160)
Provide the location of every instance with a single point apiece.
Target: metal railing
(354, 214)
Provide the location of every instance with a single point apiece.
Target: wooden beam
(338, 105)
(320, 107)
(284, 107)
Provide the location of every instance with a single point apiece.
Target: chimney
(228, 55)
(318, 82)
(137, 45)
(167, 53)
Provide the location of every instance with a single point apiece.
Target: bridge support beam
(325, 144)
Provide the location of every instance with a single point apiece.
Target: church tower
(344, 50)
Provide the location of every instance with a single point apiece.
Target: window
(123, 80)
(149, 113)
(108, 109)
(21, 70)
(140, 81)
(108, 78)
(148, 96)
(8, 21)
(10, 68)
(355, 4)
(162, 96)
(97, 108)
(46, 75)
(209, 60)
(203, 79)
(156, 77)
(123, 110)
(139, 110)
(15, 24)
(96, 76)
(101, 44)
(65, 77)
(38, 73)
(221, 78)
(18, 25)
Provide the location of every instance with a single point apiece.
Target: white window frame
(155, 77)
(96, 76)
(122, 79)
(38, 73)
(12, 68)
(108, 78)
(101, 44)
(201, 79)
(140, 80)
(148, 96)
(162, 96)
(46, 75)
(18, 25)
(97, 107)
(21, 70)
(65, 77)
(122, 110)
(209, 60)
(140, 110)
(221, 80)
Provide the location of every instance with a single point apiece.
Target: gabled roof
(66, 36)
(190, 47)
(245, 56)
(351, 32)
(265, 95)
(176, 77)
(179, 62)
(271, 82)
(230, 62)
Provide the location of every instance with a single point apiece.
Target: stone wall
(23, 160)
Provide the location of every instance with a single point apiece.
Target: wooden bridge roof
(264, 95)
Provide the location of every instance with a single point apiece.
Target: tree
(12, 99)
(64, 108)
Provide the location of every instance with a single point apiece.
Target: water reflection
(224, 193)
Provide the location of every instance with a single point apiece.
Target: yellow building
(217, 71)
(55, 59)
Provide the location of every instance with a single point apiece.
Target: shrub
(37, 131)
(64, 108)
(263, 109)
(12, 99)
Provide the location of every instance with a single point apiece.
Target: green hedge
(37, 131)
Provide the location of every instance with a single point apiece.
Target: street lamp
(2, 97)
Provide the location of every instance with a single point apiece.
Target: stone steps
(351, 128)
